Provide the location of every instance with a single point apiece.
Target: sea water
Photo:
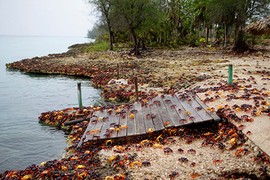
(23, 97)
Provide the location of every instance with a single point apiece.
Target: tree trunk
(110, 35)
(240, 44)
(207, 35)
(111, 40)
(143, 43)
(225, 35)
(135, 42)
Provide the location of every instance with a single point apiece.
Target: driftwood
(77, 121)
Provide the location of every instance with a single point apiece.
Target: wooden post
(118, 71)
(136, 88)
(79, 95)
(230, 77)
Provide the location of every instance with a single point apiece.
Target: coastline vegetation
(100, 46)
(162, 23)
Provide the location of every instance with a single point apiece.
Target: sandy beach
(237, 147)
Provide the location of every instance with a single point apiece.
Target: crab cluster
(102, 71)
(258, 104)
(77, 166)
(84, 161)
(60, 117)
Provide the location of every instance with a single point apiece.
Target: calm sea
(23, 141)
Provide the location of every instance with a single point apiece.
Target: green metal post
(79, 95)
(230, 77)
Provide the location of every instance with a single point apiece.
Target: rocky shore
(235, 148)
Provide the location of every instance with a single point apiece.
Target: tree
(176, 22)
(104, 6)
(236, 13)
(93, 33)
(136, 15)
(201, 16)
(246, 9)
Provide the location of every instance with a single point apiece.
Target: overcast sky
(46, 17)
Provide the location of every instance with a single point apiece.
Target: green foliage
(193, 40)
(97, 46)
(235, 14)
(202, 40)
(175, 22)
